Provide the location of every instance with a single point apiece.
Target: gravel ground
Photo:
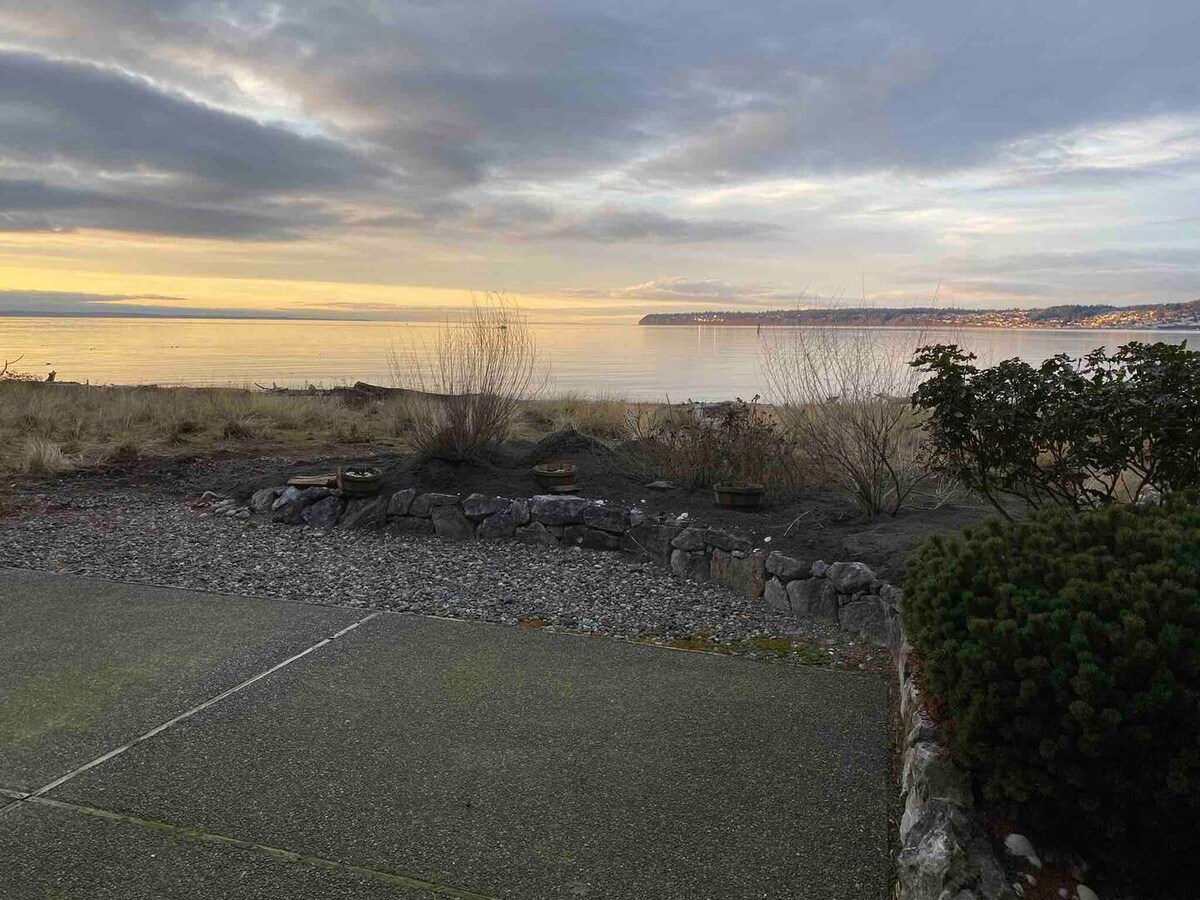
(142, 535)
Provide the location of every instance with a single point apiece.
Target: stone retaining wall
(944, 850)
(845, 594)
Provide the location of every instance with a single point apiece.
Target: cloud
(436, 142)
(622, 225)
(679, 289)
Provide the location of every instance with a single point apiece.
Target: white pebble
(1083, 892)
(1020, 846)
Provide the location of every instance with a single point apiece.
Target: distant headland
(1160, 315)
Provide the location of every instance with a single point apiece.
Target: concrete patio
(157, 743)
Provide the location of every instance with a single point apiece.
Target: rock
(289, 496)
(691, 564)
(650, 540)
(723, 540)
(661, 485)
(497, 526)
(536, 533)
(366, 512)
(590, 538)
(519, 512)
(210, 497)
(242, 512)
(776, 596)
(850, 577)
(813, 598)
(322, 514)
(785, 568)
(423, 505)
(409, 525)
(819, 568)
(689, 539)
(922, 729)
(291, 503)
(890, 594)
(1021, 847)
(606, 518)
(558, 509)
(479, 506)
(1083, 892)
(743, 574)
(636, 517)
(870, 617)
(261, 501)
(401, 502)
(927, 774)
(450, 523)
(947, 855)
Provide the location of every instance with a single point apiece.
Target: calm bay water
(600, 358)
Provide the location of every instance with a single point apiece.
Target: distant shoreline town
(1097, 316)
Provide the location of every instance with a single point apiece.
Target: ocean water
(598, 359)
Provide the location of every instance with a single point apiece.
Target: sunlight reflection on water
(627, 360)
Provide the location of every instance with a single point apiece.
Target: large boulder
(723, 540)
(322, 514)
(519, 512)
(424, 504)
(743, 574)
(689, 539)
(261, 501)
(813, 598)
(872, 618)
(401, 502)
(558, 509)
(928, 773)
(479, 506)
(291, 503)
(776, 596)
(948, 855)
(606, 518)
(691, 564)
(367, 512)
(651, 540)
(496, 527)
(850, 577)
(785, 568)
(536, 533)
(450, 523)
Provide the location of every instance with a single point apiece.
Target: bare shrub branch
(844, 394)
(474, 379)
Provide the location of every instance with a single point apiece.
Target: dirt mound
(564, 444)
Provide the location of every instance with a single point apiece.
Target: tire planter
(359, 482)
(738, 496)
(556, 477)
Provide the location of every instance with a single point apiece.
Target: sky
(381, 159)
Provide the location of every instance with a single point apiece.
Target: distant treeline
(1065, 316)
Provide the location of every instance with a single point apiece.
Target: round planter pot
(359, 482)
(556, 477)
(738, 496)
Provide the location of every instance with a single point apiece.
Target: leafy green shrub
(1065, 651)
(1075, 433)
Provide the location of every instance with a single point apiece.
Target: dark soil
(816, 524)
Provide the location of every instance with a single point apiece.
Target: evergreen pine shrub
(1066, 651)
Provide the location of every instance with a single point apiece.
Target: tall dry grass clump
(474, 380)
(843, 393)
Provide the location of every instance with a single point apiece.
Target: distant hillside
(1161, 315)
